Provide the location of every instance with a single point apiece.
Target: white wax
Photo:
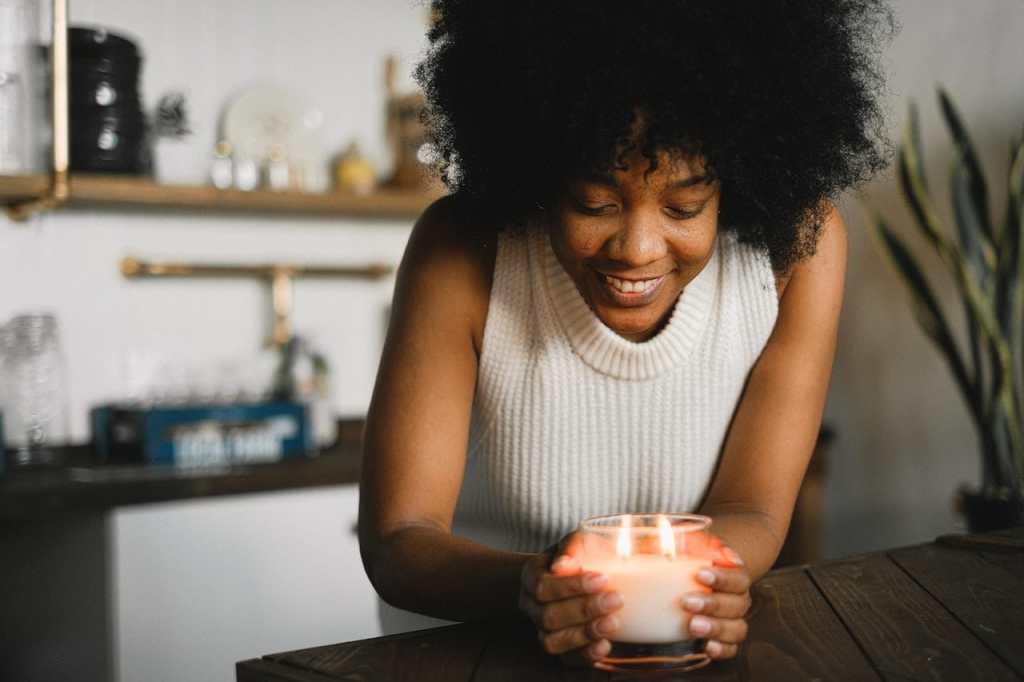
(652, 588)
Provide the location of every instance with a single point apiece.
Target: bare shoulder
(827, 265)
(448, 266)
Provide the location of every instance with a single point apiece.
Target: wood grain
(261, 670)
(22, 187)
(127, 192)
(448, 654)
(903, 630)
(794, 635)
(986, 597)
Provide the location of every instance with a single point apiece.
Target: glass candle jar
(646, 560)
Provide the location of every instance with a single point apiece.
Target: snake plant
(985, 259)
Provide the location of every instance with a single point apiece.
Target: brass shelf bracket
(281, 277)
(59, 189)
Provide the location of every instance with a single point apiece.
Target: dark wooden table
(949, 610)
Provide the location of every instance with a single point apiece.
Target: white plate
(267, 116)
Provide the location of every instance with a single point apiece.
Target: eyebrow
(610, 181)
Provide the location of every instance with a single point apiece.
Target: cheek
(577, 240)
(694, 247)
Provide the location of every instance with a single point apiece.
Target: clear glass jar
(36, 402)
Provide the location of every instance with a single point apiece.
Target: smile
(635, 286)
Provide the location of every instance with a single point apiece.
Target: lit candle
(650, 568)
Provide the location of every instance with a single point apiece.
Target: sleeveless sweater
(571, 420)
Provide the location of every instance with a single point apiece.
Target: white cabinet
(199, 585)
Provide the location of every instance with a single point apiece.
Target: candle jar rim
(679, 521)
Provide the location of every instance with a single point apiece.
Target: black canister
(108, 127)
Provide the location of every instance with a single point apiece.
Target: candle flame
(624, 546)
(668, 540)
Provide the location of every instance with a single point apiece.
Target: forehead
(637, 169)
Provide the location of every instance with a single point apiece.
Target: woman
(628, 302)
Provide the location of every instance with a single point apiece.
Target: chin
(630, 325)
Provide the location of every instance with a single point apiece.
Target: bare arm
(776, 424)
(417, 432)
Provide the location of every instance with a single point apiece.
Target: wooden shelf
(14, 188)
(131, 193)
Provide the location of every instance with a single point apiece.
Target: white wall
(905, 441)
(331, 53)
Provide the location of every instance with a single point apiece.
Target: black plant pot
(989, 510)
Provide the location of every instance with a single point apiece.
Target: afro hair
(779, 98)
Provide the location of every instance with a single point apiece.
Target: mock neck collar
(604, 350)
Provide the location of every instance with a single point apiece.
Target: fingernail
(731, 554)
(695, 604)
(607, 626)
(699, 625)
(600, 649)
(594, 582)
(610, 601)
(706, 577)
(713, 648)
(560, 562)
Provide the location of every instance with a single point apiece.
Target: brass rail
(57, 193)
(281, 277)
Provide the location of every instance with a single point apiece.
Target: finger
(720, 651)
(588, 655)
(725, 630)
(731, 580)
(718, 604)
(550, 587)
(532, 571)
(703, 544)
(583, 610)
(728, 557)
(565, 640)
(566, 560)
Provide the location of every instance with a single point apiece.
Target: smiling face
(632, 243)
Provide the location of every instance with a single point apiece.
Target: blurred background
(268, 150)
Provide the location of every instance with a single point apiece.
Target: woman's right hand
(573, 614)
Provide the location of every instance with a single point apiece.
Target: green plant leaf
(982, 307)
(925, 306)
(970, 223)
(976, 178)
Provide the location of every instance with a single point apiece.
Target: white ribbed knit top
(571, 420)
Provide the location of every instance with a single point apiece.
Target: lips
(630, 293)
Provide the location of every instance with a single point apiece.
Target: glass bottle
(36, 414)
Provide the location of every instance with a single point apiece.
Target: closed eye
(589, 209)
(683, 213)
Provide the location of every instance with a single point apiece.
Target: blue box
(202, 435)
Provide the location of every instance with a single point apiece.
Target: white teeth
(630, 287)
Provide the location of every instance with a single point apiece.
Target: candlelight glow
(624, 546)
(668, 540)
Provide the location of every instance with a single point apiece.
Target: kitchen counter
(83, 486)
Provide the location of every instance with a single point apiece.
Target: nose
(638, 241)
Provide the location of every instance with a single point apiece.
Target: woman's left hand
(718, 615)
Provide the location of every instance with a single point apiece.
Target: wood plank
(448, 654)
(15, 188)
(513, 654)
(260, 670)
(983, 595)
(133, 192)
(902, 629)
(795, 635)
(1010, 540)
